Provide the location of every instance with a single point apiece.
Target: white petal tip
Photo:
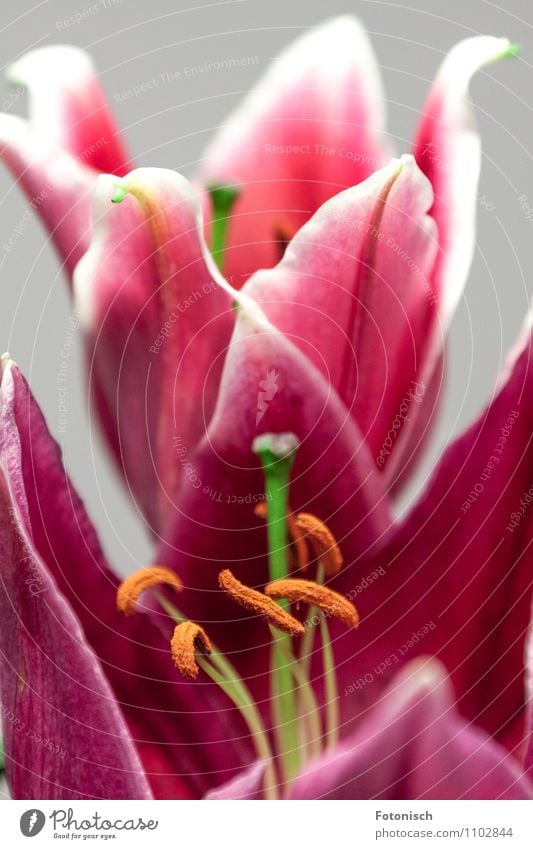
(57, 61)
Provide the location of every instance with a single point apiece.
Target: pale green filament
(222, 199)
(328, 665)
(309, 713)
(332, 693)
(276, 452)
(223, 673)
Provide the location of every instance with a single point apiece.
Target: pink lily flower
(333, 343)
(313, 126)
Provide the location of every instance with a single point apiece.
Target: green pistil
(120, 193)
(223, 673)
(223, 198)
(277, 452)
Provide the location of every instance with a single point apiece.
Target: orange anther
(131, 588)
(295, 589)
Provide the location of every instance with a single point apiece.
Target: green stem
(223, 673)
(277, 456)
(222, 199)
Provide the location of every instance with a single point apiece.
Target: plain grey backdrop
(132, 42)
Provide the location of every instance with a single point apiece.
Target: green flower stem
(223, 673)
(276, 452)
(222, 199)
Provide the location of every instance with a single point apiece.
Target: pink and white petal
(68, 107)
(457, 578)
(354, 292)
(58, 187)
(247, 785)
(448, 150)
(413, 744)
(312, 126)
(170, 719)
(157, 320)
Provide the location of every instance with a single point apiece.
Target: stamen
(188, 639)
(131, 588)
(283, 233)
(259, 603)
(299, 547)
(295, 589)
(323, 542)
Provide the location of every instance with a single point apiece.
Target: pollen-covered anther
(188, 639)
(259, 603)
(144, 579)
(299, 548)
(322, 541)
(333, 603)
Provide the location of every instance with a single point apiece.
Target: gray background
(133, 42)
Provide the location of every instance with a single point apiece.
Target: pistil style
(277, 452)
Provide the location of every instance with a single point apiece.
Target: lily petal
(414, 745)
(64, 733)
(354, 291)
(312, 126)
(457, 578)
(157, 321)
(448, 150)
(247, 785)
(68, 107)
(167, 717)
(57, 186)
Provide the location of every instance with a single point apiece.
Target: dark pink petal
(354, 292)
(457, 579)
(156, 321)
(247, 785)
(312, 126)
(68, 106)
(414, 745)
(64, 734)
(528, 735)
(181, 730)
(58, 187)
